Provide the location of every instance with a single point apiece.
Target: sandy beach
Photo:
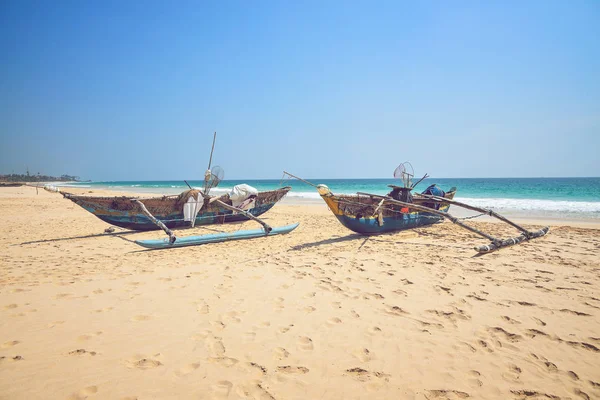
(321, 313)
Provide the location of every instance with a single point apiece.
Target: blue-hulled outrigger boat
(369, 215)
(373, 214)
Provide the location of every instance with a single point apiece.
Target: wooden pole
(211, 150)
(162, 226)
(300, 179)
(378, 207)
(207, 174)
(481, 210)
(419, 181)
(511, 241)
(245, 213)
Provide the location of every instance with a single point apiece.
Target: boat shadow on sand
(381, 238)
(117, 234)
(94, 235)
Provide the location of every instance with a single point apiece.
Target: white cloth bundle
(241, 193)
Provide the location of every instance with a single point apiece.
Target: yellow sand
(320, 313)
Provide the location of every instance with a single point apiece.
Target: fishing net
(405, 173)
(212, 178)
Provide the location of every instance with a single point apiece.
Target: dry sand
(320, 313)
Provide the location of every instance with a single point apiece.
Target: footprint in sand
(80, 352)
(221, 390)
(364, 375)
(143, 363)
(395, 310)
(203, 309)
(231, 317)
(100, 310)
(509, 319)
(15, 358)
(7, 345)
(309, 309)
(334, 321)
(512, 374)
(254, 390)
(474, 380)
(447, 394)
(224, 361)
(186, 370)
(362, 354)
(305, 343)
(214, 346)
(11, 306)
(218, 325)
(375, 330)
(288, 369)
(573, 375)
(141, 318)
(254, 368)
(249, 337)
(84, 393)
(280, 353)
(285, 329)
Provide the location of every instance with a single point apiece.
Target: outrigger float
(373, 214)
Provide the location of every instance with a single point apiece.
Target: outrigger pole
(268, 229)
(496, 243)
(172, 237)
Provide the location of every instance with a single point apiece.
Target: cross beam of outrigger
(496, 243)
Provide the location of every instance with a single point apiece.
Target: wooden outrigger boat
(190, 208)
(373, 214)
(123, 212)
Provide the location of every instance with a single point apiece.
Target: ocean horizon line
(322, 178)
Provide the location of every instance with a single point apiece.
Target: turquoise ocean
(543, 197)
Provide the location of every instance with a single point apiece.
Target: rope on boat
(472, 216)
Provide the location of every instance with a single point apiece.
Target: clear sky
(132, 90)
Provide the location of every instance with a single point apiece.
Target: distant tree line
(37, 178)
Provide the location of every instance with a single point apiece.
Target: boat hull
(370, 226)
(121, 212)
(357, 214)
(214, 238)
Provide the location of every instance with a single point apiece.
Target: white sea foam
(554, 206)
(75, 185)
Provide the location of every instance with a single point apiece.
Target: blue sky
(133, 90)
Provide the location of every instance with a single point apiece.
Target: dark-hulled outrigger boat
(188, 209)
(400, 209)
(123, 212)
